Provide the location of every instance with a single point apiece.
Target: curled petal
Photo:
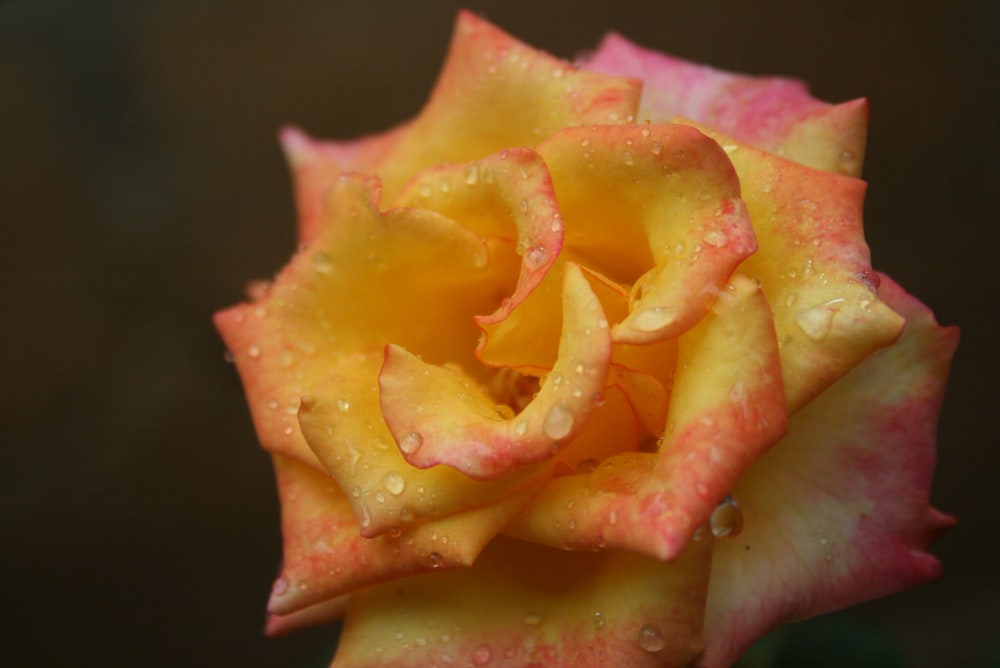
(315, 615)
(815, 269)
(325, 556)
(838, 512)
(343, 425)
(330, 301)
(657, 196)
(507, 198)
(316, 163)
(494, 93)
(524, 605)
(463, 427)
(727, 409)
(773, 114)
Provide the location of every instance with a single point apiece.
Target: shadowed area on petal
(838, 512)
(522, 605)
(774, 114)
(325, 556)
(815, 268)
(461, 425)
(363, 282)
(727, 409)
(657, 206)
(494, 93)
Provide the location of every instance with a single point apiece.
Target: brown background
(141, 186)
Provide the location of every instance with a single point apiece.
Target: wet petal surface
(837, 512)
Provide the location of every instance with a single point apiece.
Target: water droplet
(558, 421)
(817, 321)
(613, 517)
(481, 656)
(380, 497)
(536, 256)
(521, 428)
(471, 175)
(523, 205)
(366, 516)
(599, 620)
(411, 443)
(557, 378)
(321, 263)
(394, 483)
(280, 586)
(356, 492)
(655, 148)
(424, 190)
(436, 560)
(651, 638)
(420, 641)
(645, 132)
(343, 405)
(654, 319)
(629, 158)
(727, 519)
(585, 142)
(716, 238)
(253, 351)
(532, 619)
(790, 298)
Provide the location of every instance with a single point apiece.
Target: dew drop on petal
(411, 442)
(598, 620)
(343, 405)
(536, 256)
(651, 638)
(280, 586)
(481, 656)
(727, 519)
(716, 238)
(629, 158)
(322, 264)
(521, 427)
(471, 175)
(654, 319)
(393, 483)
(817, 321)
(558, 421)
(586, 465)
(253, 351)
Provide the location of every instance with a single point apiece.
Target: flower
(553, 380)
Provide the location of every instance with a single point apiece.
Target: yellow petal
(363, 282)
(815, 269)
(657, 205)
(727, 408)
(460, 425)
(325, 555)
(524, 605)
(494, 93)
(343, 424)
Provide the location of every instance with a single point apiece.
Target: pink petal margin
(838, 512)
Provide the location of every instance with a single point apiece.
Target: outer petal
(815, 269)
(773, 114)
(315, 164)
(837, 512)
(494, 93)
(362, 283)
(325, 555)
(524, 605)
(460, 425)
(727, 409)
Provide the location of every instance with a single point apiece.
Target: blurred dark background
(141, 186)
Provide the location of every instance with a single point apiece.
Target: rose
(693, 412)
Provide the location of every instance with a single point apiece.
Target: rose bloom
(588, 366)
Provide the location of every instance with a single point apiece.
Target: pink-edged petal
(494, 93)
(815, 268)
(524, 605)
(343, 424)
(508, 199)
(363, 282)
(460, 425)
(838, 511)
(774, 114)
(325, 556)
(657, 205)
(727, 408)
(316, 163)
(315, 615)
